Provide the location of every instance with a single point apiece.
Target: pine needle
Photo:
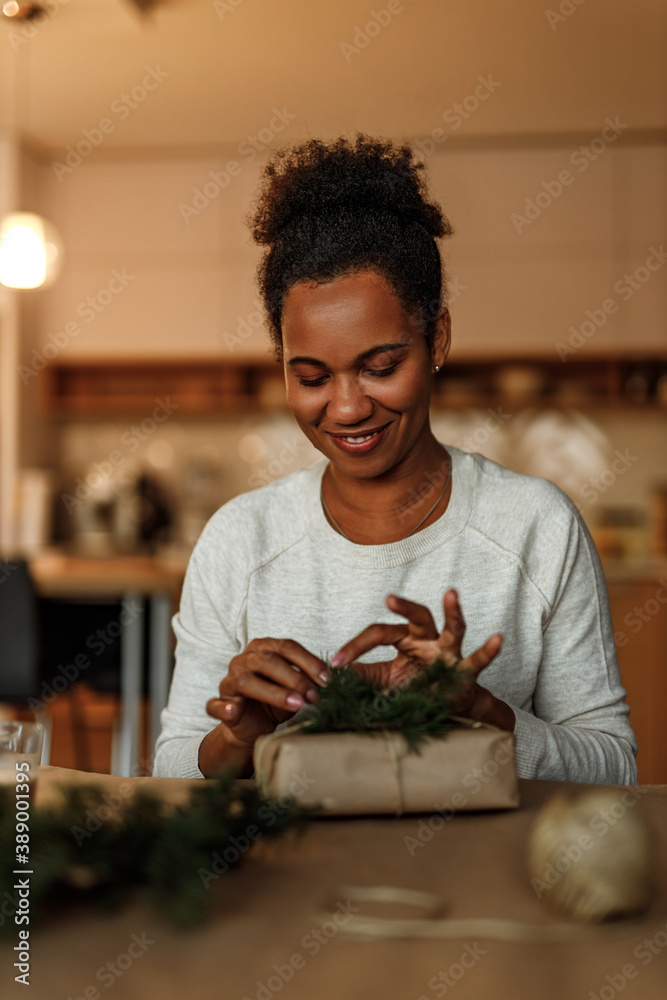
(420, 710)
(95, 847)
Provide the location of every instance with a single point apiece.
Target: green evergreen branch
(84, 849)
(420, 709)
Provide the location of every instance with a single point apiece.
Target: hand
(266, 684)
(418, 644)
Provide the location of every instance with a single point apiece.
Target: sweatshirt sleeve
(579, 729)
(205, 643)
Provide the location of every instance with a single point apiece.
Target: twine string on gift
(396, 768)
(429, 924)
(292, 728)
(261, 778)
(396, 764)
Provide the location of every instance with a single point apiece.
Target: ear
(442, 338)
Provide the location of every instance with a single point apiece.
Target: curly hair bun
(316, 180)
(325, 210)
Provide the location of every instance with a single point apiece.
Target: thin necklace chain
(411, 532)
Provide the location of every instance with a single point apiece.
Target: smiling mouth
(359, 444)
(359, 438)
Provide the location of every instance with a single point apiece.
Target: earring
(436, 368)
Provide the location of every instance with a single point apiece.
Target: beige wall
(512, 292)
(517, 285)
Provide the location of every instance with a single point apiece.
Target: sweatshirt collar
(406, 550)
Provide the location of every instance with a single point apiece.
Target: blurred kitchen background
(138, 390)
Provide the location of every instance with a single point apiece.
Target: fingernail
(229, 709)
(312, 696)
(325, 676)
(337, 660)
(294, 701)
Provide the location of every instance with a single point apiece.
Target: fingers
(277, 672)
(454, 620)
(372, 636)
(270, 666)
(455, 625)
(454, 632)
(225, 710)
(420, 618)
(481, 658)
(374, 673)
(267, 679)
(256, 687)
(421, 626)
(294, 653)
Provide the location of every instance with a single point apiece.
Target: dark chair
(70, 626)
(20, 644)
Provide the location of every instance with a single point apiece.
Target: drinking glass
(20, 752)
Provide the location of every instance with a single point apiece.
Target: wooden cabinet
(195, 387)
(639, 615)
(199, 386)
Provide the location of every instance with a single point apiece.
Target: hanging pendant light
(30, 251)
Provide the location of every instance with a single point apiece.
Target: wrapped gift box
(471, 768)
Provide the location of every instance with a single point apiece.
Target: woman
(282, 576)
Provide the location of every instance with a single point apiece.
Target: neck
(389, 507)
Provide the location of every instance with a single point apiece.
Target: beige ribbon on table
(430, 926)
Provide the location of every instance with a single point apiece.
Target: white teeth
(359, 439)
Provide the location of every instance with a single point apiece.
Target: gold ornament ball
(593, 855)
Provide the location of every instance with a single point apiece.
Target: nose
(348, 403)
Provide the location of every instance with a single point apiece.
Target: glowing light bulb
(30, 251)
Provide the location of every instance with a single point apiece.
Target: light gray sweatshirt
(269, 564)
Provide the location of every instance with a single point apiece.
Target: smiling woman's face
(356, 365)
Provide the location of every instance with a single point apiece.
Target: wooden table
(131, 580)
(262, 940)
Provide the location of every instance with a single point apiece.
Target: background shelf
(211, 386)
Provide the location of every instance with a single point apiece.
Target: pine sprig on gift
(96, 848)
(420, 709)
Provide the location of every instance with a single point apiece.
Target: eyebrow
(302, 360)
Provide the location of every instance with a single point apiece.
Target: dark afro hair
(328, 210)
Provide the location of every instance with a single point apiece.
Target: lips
(365, 440)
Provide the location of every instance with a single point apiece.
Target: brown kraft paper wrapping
(471, 768)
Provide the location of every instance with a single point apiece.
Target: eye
(380, 372)
(375, 372)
